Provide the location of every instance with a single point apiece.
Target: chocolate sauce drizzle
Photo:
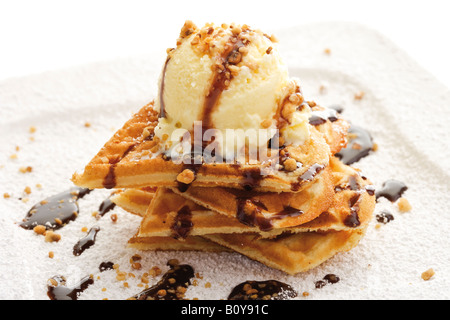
(352, 220)
(109, 182)
(192, 166)
(105, 207)
(182, 224)
(357, 148)
(172, 285)
(384, 217)
(262, 290)
(62, 292)
(86, 242)
(328, 279)
(162, 111)
(255, 216)
(56, 211)
(107, 265)
(252, 178)
(308, 176)
(391, 190)
(249, 212)
(319, 117)
(230, 56)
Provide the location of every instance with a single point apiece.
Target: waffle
(127, 161)
(295, 250)
(325, 214)
(191, 243)
(293, 253)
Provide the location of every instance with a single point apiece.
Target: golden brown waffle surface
(129, 160)
(291, 249)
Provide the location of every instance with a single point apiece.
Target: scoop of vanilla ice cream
(229, 77)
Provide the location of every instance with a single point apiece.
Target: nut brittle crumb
(404, 205)
(427, 275)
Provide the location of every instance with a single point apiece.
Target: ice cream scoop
(226, 77)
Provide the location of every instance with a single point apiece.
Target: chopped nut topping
(50, 236)
(114, 217)
(155, 271)
(51, 254)
(39, 229)
(6, 196)
(26, 169)
(290, 165)
(404, 205)
(186, 177)
(359, 95)
(327, 51)
(162, 293)
(33, 129)
(135, 258)
(288, 111)
(427, 275)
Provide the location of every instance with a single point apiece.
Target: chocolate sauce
(262, 290)
(358, 147)
(109, 182)
(61, 292)
(172, 285)
(249, 212)
(56, 211)
(308, 176)
(107, 265)
(252, 178)
(328, 279)
(384, 217)
(338, 108)
(222, 76)
(311, 173)
(370, 190)
(391, 190)
(86, 242)
(162, 112)
(182, 224)
(105, 207)
(287, 212)
(352, 220)
(319, 117)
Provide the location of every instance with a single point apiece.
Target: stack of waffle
(291, 220)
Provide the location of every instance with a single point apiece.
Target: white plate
(406, 110)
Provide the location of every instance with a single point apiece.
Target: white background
(36, 36)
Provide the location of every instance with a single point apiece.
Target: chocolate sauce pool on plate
(262, 290)
(56, 211)
(86, 242)
(57, 289)
(391, 190)
(172, 285)
(105, 207)
(359, 146)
